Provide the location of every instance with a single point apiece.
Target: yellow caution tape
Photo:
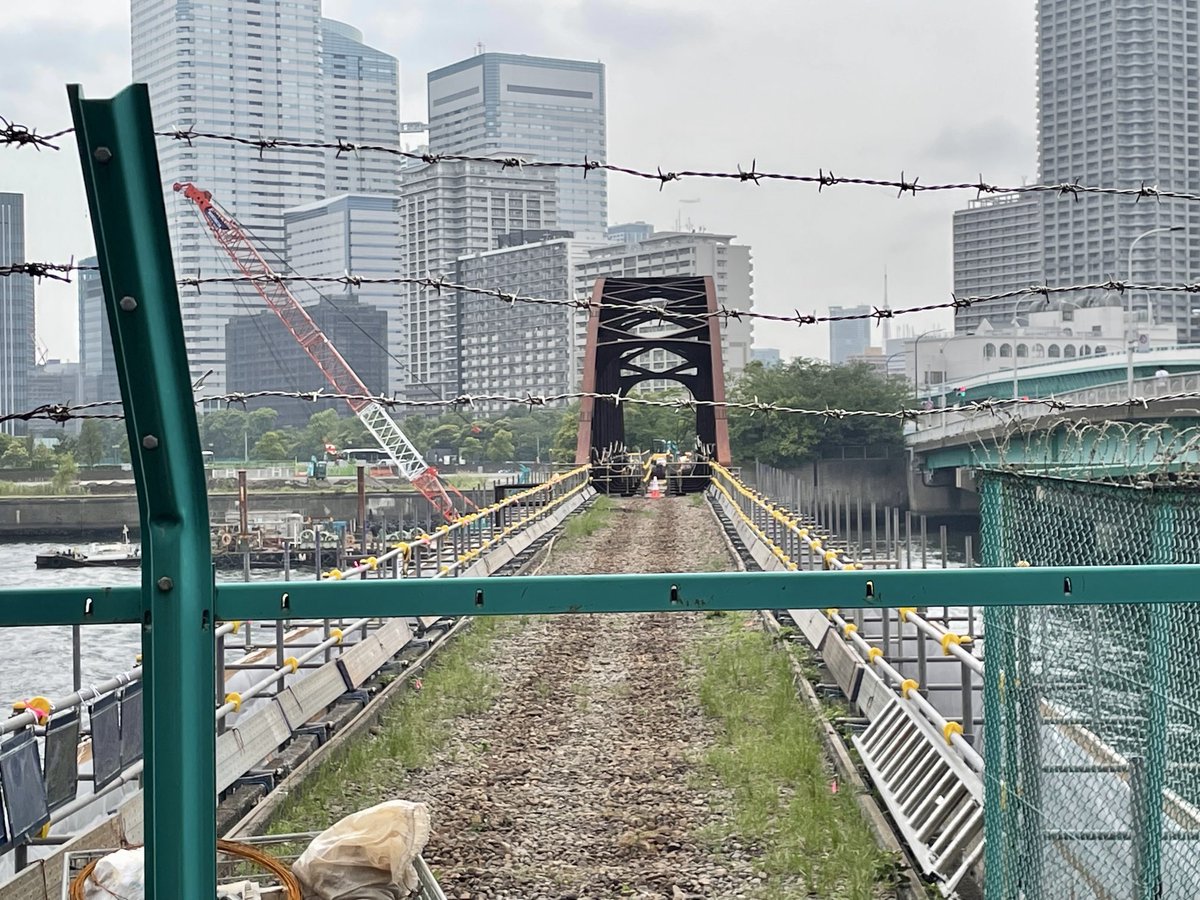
(873, 654)
(904, 611)
(236, 699)
(292, 663)
(336, 633)
(908, 684)
(951, 729)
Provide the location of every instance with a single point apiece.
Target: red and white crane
(233, 239)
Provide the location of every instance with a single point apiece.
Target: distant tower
(478, 106)
(16, 315)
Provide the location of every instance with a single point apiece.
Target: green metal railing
(179, 604)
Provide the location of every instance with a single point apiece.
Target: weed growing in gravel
(588, 522)
(769, 755)
(370, 770)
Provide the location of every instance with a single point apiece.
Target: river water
(37, 661)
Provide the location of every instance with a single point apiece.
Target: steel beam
(530, 595)
(70, 606)
(124, 189)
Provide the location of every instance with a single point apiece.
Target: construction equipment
(231, 237)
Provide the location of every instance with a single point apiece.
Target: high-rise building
(362, 105)
(629, 232)
(263, 355)
(359, 234)
(850, 338)
(997, 248)
(533, 108)
(768, 356)
(1118, 90)
(16, 315)
(253, 68)
(54, 381)
(449, 210)
(97, 365)
(520, 348)
(668, 253)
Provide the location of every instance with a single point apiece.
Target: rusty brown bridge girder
(614, 348)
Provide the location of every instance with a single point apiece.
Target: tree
(272, 445)
(15, 456)
(500, 447)
(65, 474)
(42, 458)
(471, 449)
(788, 439)
(89, 446)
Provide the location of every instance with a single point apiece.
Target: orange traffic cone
(655, 491)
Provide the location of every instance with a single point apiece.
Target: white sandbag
(121, 873)
(241, 890)
(366, 856)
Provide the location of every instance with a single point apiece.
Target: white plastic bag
(366, 856)
(121, 873)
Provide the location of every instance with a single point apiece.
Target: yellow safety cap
(372, 562)
(950, 638)
(292, 663)
(335, 574)
(235, 625)
(831, 611)
(850, 567)
(830, 555)
(44, 831)
(792, 567)
(815, 543)
(1022, 564)
(803, 532)
(908, 684)
(849, 628)
(137, 660)
(873, 654)
(951, 729)
(336, 633)
(236, 699)
(904, 611)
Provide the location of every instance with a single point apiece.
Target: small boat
(94, 556)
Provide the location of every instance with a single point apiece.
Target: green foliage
(770, 757)
(65, 474)
(15, 455)
(783, 439)
(471, 449)
(500, 448)
(273, 445)
(89, 446)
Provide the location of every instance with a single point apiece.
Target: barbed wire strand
(993, 407)
(21, 136)
(62, 272)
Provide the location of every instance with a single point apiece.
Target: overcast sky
(940, 89)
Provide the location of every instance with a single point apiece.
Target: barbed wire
(19, 135)
(999, 407)
(440, 285)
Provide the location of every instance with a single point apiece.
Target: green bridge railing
(179, 604)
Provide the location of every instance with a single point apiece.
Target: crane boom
(231, 237)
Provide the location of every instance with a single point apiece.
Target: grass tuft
(371, 769)
(588, 522)
(769, 756)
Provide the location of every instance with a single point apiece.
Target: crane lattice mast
(233, 239)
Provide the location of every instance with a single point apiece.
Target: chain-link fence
(1092, 713)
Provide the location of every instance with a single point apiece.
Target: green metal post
(1148, 822)
(124, 188)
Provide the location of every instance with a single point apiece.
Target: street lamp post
(1129, 331)
(916, 360)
